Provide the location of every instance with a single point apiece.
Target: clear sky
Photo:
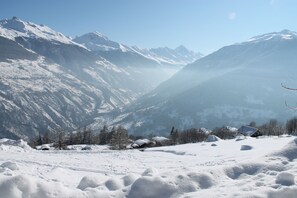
(200, 25)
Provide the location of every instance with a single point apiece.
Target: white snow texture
(190, 170)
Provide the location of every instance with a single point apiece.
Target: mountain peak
(96, 41)
(274, 36)
(182, 49)
(14, 24)
(96, 35)
(286, 31)
(15, 27)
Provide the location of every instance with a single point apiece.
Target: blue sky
(200, 25)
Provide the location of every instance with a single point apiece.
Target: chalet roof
(247, 130)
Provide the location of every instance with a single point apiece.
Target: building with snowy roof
(249, 131)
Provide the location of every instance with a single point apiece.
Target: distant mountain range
(233, 86)
(50, 82)
(99, 43)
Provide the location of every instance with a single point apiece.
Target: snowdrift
(17, 145)
(272, 175)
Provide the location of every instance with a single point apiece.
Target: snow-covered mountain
(96, 41)
(149, 67)
(232, 86)
(146, 72)
(274, 36)
(49, 82)
(180, 56)
(14, 28)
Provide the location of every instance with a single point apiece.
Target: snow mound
(19, 186)
(10, 165)
(8, 144)
(246, 147)
(289, 151)
(213, 138)
(265, 175)
(237, 171)
(88, 182)
(129, 179)
(241, 137)
(285, 179)
(148, 187)
(113, 184)
(24, 186)
(170, 185)
(204, 180)
(150, 172)
(286, 192)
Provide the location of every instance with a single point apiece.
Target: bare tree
(273, 127)
(291, 126)
(192, 135)
(224, 133)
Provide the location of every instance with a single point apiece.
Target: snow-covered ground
(242, 167)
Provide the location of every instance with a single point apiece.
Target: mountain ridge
(50, 82)
(235, 85)
(96, 41)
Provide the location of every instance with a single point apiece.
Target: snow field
(268, 169)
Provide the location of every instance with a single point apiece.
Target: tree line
(117, 137)
(271, 128)
(194, 135)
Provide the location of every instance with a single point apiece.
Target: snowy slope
(96, 41)
(233, 86)
(147, 68)
(220, 169)
(37, 96)
(13, 28)
(48, 82)
(165, 55)
(179, 55)
(274, 36)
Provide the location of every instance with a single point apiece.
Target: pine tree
(103, 135)
(87, 136)
(174, 135)
(119, 138)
